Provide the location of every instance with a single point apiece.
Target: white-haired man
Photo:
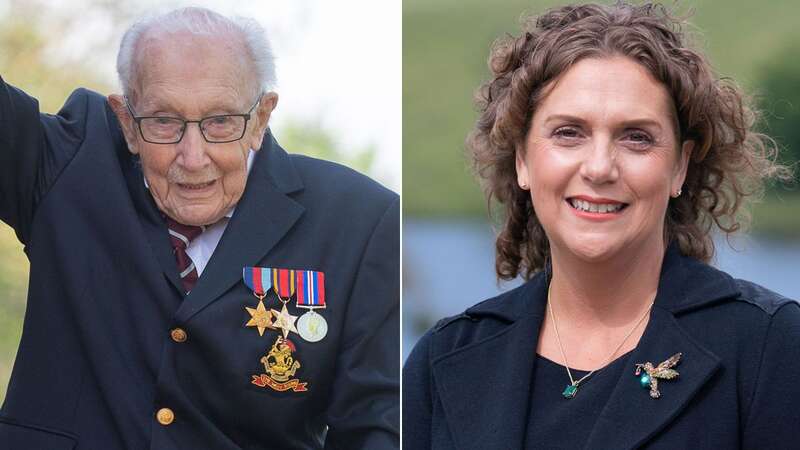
(173, 245)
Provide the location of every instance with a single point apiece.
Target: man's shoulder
(84, 99)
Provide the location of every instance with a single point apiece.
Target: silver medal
(312, 327)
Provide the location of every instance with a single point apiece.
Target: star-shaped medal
(284, 321)
(260, 318)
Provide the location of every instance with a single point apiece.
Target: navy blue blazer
(96, 359)
(466, 385)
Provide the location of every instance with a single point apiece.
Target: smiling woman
(613, 151)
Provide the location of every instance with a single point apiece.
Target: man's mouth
(196, 186)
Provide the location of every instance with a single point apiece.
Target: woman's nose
(599, 165)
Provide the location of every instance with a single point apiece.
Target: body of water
(449, 266)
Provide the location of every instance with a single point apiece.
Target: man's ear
(117, 103)
(260, 119)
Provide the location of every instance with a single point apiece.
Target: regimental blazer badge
(279, 367)
(649, 379)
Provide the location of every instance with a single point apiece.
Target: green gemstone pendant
(570, 391)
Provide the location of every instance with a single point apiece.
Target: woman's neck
(607, 294)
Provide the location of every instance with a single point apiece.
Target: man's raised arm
(34, 148)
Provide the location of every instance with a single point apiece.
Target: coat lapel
(485, 387)
(631, 417)
(263, 216)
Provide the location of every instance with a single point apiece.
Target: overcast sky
(338, 63)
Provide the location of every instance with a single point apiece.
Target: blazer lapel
(150, 217)
(263, 216)
(485, 387)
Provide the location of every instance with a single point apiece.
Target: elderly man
(173, 246)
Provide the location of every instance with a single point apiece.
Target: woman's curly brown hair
(730, 163)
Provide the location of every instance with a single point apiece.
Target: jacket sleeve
(34, 148)
(417, 398)
(364, 410)
(774, 417)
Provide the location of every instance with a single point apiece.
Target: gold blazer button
(165, 416)
(178, 335)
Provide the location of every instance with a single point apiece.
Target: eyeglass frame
(138, 119)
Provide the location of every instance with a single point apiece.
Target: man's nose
(192, 148)
(600, 162)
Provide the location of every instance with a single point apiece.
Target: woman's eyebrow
(565, 118)
(643, 122)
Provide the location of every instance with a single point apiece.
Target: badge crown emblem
(279, 363)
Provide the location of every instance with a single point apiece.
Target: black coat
(466, 385)
(96, 360)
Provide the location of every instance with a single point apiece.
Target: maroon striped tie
(180, 235)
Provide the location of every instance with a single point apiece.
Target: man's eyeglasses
(170, 130)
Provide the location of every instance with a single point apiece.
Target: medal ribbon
(310, 289)
(258, 279)
(283, 282)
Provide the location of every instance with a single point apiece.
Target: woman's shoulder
(692, 287)
(485, 319)
(743, 326)
(769, 302)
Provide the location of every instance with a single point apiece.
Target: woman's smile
(596, 209)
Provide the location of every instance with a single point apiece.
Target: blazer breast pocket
(19, 436)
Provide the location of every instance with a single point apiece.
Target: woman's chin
(595, 250)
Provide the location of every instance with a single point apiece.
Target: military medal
(649, 379)
(279, 367)
(258, 279)
(311, 295)
(283, 283)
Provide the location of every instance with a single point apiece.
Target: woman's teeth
(583, 205)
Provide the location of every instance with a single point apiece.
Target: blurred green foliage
(779, 99)
(13, 285)
(446, 45)
(312, 139)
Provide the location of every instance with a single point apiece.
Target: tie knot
(181, 234)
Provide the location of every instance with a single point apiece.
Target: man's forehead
(180, 71)
(207, 103)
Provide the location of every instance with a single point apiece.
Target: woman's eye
(566, 132)
(639, 138)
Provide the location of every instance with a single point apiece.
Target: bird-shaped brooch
(649, 379)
